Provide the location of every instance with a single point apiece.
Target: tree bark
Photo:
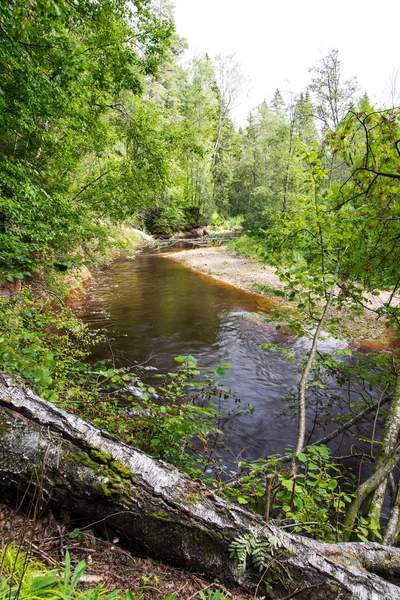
(389, 437)
(393, 525)
(153, 507)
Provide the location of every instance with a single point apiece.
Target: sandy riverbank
(243, 273)
(233, 269)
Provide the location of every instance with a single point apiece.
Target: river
(153, 308)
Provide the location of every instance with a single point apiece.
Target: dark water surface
(153, 308)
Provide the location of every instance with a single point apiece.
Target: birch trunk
(153, 507)
(389, 437)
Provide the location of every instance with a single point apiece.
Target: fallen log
(153, 507)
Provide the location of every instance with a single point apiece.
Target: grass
(22, 577)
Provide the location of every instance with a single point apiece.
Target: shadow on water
(153, 308)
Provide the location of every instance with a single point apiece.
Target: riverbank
(366, 330)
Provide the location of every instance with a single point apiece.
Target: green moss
(104, 458)
(103, 489)
(34, 472)
(118, 479)
(160, 515)
(193, 498)
(3, 425)
(83, 458)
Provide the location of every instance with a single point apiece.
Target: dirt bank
(244, 273)
(236, 270)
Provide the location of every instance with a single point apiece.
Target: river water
(153, 308)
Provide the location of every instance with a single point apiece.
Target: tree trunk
(301, 396)
(389, 437)
(393, 526)
(153, 507)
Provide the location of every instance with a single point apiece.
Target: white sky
(276, 41)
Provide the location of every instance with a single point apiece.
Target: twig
(298, 524)
(79, 548)
(61, 536)
(56, 296)
(44, 555)
(301, 417)
(89, 184)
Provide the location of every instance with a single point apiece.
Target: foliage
(345, 227)
(268, 171)
(43, 342)
(211, 595)
(313, 504)
(264, 554)
(63, 68)
(100, 123)
(246, 245)
(22, 577)
(249, 547)
(174, 422)
(333, 97)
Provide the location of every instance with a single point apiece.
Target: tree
(304, 123)
(231, 86)
(333, 98)
(268, 170)
(63, 67)
(58, 457)
(199, 109)
(348, 236)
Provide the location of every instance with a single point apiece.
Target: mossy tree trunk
(387, 458)
(65, 461)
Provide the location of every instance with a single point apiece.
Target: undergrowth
(48, 346)
(44, 343)
(27, 579)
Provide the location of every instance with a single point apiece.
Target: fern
(259, 552)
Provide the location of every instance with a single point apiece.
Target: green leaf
(288, 484)
(298, 501)
(79, 570)
(313, 466)
(301, 457)
(191, 361)
(43, 581)
(220, 372)
(242, 500)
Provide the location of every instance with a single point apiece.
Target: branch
(89, 184)
(304, 378)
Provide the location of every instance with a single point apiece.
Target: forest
(106, 130)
